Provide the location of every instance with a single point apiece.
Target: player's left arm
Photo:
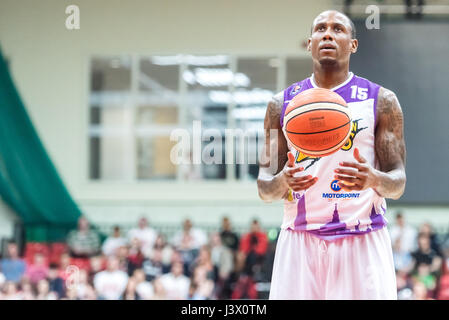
(389, 180)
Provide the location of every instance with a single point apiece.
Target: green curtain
(29, 182)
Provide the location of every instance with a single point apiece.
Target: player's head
(332, 39)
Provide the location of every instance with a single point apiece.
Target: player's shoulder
(363, 82)
(295, 88)
(277, 101)
(387, 101)
(383, 92)
(274, 106)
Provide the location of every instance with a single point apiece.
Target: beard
(328, 62)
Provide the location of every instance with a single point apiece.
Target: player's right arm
(277, 164)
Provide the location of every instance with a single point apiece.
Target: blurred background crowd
(142, 264)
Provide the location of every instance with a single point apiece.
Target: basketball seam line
(324, 150)
(319, 131)
(316, 102)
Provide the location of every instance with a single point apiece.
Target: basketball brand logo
(335, 186)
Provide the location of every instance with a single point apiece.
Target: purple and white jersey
(324, 209)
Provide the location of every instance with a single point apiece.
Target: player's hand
(356, 176)
(296, 183)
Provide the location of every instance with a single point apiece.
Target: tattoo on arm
(390, 145)
(274, 153)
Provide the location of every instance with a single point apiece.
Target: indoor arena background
(87, 134)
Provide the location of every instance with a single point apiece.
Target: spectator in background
(423, 275)
(154, 267)
(188, 241)
(13, 267)
(222, 258)
(420, 291)
(189, 238)
(122, 256)
(38, 270)
(83, 242)
(55, 282)
(403, 239)
(176, 284)
(130, 291)
(403, 236)
(83, 288)
(201, 286)
(245, 288)
(204, 261)
(144, 288)
(166, 249)
(135, 256)
(426, 228)
(2, 280)
(254, 245)
(159, 292)
(64, 263)
(43, 291)
(145, 234)
(402, 259)
(113, 242)
(27, 292)
(111, 283)
(426, 255)
(97, 264)
(404, 286)
(11, 292)
(443, 293)
(228, 237)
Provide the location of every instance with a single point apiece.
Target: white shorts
(355, 267)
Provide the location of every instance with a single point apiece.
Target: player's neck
(329, 78)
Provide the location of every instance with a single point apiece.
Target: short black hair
(353, 30)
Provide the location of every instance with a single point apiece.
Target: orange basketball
(317, 122)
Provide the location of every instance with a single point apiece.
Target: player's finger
(351, 188)
(304, 186)
(347, 171)
(291, 159)
(352, 165)
(292, 171)
(358, 156)
(302, 179)
(346, 178)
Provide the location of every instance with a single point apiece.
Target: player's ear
(309, 44)
(354, 45)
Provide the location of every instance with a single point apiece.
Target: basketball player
(334, 242)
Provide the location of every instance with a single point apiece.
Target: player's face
(331, 40)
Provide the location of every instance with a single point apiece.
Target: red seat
(443, 293)
(31, 248)
(56, 250)
(82, 263)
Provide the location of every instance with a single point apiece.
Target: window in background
(207, 81)
(110, 113)
(136, 102)
(258, 83)
(157, 114)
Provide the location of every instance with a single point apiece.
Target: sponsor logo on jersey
(295, 89)
(354, 130)
(334, 186)
(336, 195)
